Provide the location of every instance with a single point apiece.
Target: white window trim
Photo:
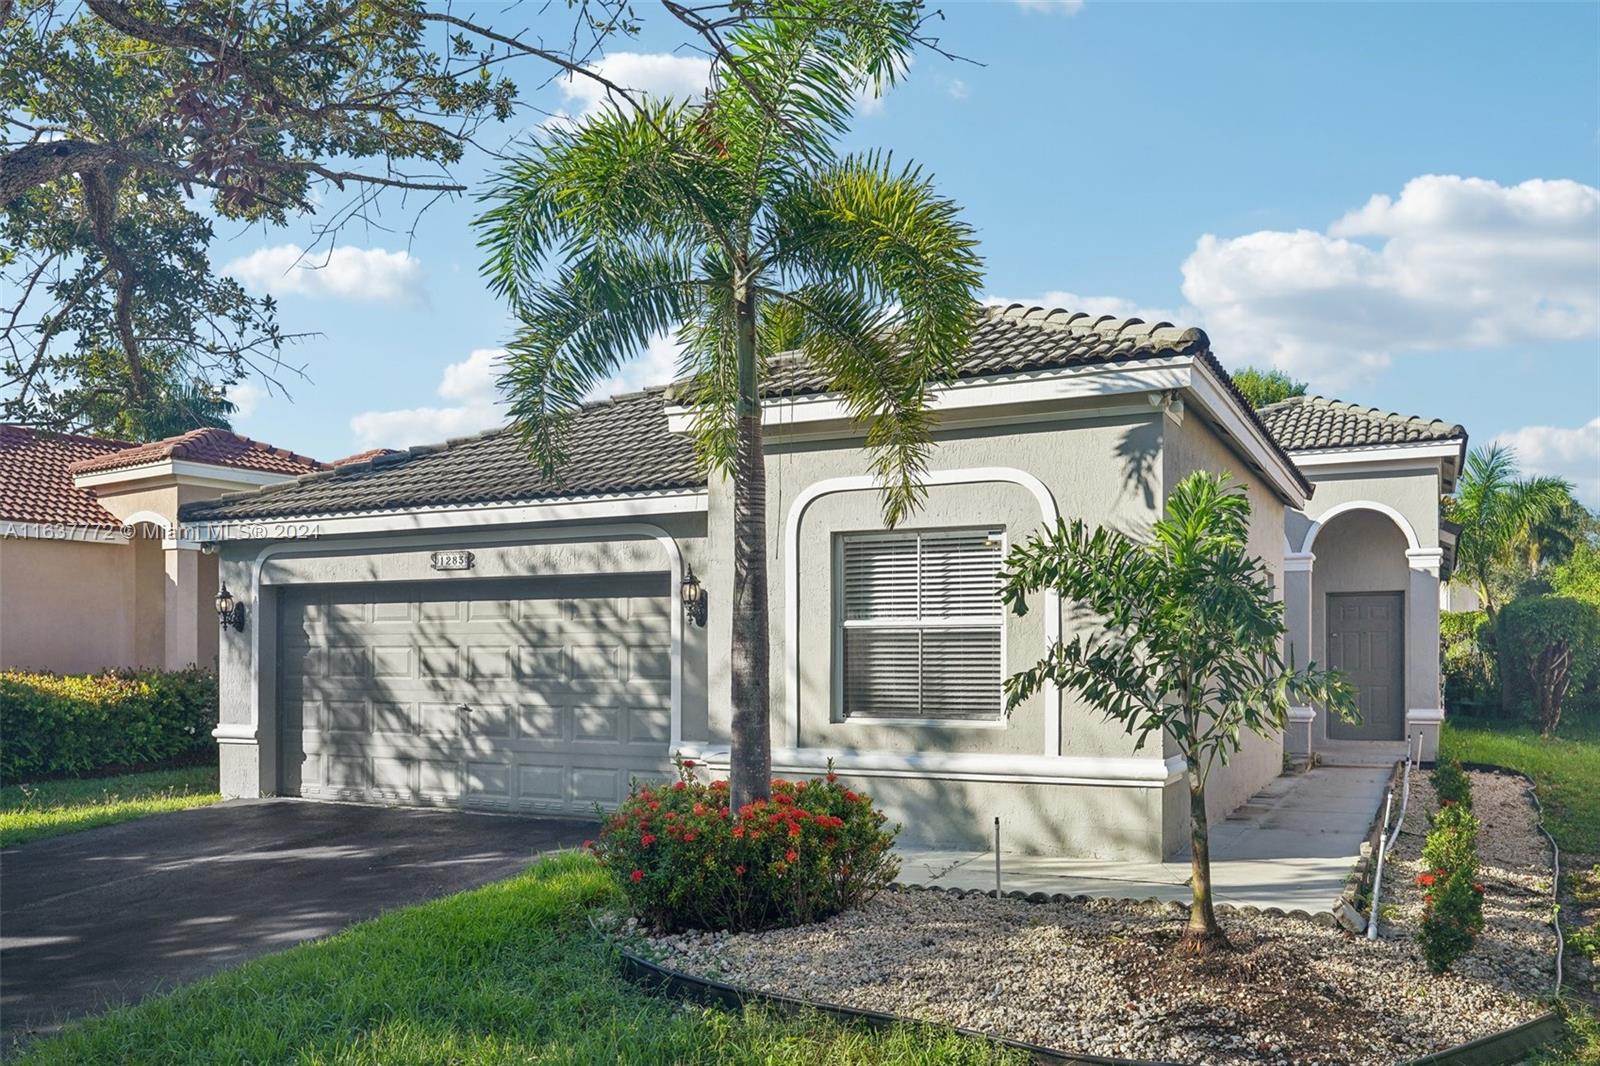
(865, 482)
(838, 716)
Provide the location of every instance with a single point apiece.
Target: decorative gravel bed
(1100, 977)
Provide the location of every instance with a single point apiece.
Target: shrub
(1466, 653)
(1452, 915)
(74, 724)
(686, 861)
(1545, 644)
(1451, 784)
(1452, 843)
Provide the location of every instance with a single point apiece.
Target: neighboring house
(94, 572)
(445, 626)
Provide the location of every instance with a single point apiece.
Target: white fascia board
(445, 519)
(200, 475)
(1379, 453)
(1152, 772)
(1223, 409)
(968, 397)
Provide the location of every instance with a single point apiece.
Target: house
(445, 626)
(95, 572)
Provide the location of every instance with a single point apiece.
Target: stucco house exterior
(445, 626)
(95, 571)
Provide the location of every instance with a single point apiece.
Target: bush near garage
(686, 860)
(54, 724)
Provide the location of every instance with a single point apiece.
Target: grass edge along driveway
(509, 973)
(51, 808)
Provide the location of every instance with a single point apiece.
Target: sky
(1396, 203)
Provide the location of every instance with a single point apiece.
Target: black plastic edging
(656, 978)
(1498, 1049)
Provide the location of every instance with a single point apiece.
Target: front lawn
(50, 808)
(510, 973)
(1565, 769)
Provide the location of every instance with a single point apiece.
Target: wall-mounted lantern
(693, 595)
(230, 612)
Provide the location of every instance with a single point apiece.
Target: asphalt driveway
(110, 915)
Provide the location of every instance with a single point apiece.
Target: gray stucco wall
(1195, 446)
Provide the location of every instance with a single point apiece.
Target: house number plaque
(456, 560)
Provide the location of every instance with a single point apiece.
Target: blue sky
(1397, 202)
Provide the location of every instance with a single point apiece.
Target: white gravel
(1100, 977)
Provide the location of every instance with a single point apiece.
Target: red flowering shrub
(685, 860)
(1452, 914)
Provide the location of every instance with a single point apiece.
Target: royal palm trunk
(752, 730)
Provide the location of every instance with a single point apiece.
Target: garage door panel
(530, 695)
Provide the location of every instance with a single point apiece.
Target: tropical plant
(1263, 387)
(686, 858)
(1498, 512)
(1189, 643)
(1548, 642)
(731, 221)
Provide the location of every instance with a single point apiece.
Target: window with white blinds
(922, 625)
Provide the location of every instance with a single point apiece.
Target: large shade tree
(1188, 644)
(1501, 515)
(132, 132)
(733, 221)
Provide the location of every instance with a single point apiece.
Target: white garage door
(525, 695)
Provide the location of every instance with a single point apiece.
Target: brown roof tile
(36, 480)
(214, 447)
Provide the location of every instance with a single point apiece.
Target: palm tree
(733, 222)
(1498, 513)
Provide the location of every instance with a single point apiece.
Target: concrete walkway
(1291, 846)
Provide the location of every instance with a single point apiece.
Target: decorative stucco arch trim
(865, 482)
(172, 535)
(236, 733)
(1362, 505)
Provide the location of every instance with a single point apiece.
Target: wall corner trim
(866, 482)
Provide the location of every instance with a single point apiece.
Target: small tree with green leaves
(1263, 387)
(1189, 644)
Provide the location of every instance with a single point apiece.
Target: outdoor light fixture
(693, 595)
(229, 611)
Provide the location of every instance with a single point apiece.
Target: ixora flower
(1425, 879)
(637, 875)
(647, 839)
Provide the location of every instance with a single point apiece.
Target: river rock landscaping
(1100, 977)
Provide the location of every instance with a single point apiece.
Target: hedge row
(1452, 915)
(53, 724)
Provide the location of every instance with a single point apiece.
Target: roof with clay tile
(36, 480)
(1315, 423)
(623, 444)
(209, 445)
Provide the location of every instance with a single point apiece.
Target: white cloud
(342, 273)
(1556, 451)
(658, 365)
(1094, 305)
(246, 397)
(1051, 7)
(1451, 263)
(477, 406)
(957, 89)
(650, 73)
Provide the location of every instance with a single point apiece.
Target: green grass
(1566, 771)
(511, 973)
(50, 808)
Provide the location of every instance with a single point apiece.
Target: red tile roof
(361, 457)
(36, 480)
(215, 447)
